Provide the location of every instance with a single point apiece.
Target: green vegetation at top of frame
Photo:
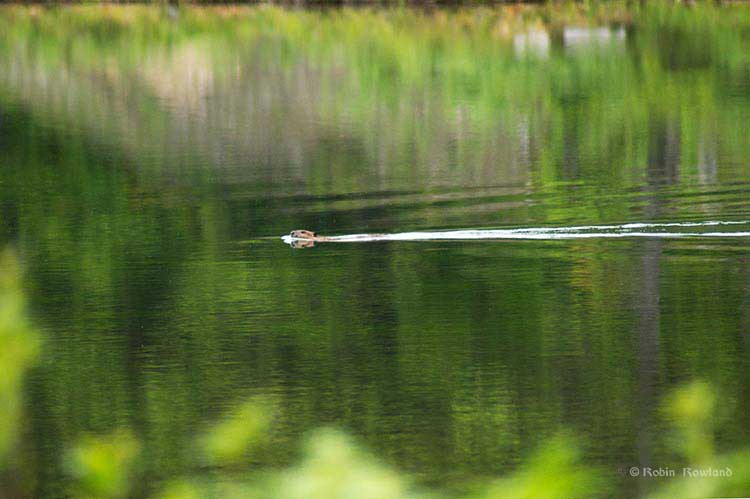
(396, 42)
(394, 37)
(370, 56)
(485, 28)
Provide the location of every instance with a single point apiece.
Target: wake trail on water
(637, 229)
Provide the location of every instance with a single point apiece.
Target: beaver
(305, 238)
(304, 234)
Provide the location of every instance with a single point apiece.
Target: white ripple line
(635, 225)
(549, 233)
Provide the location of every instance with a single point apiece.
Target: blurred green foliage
(18, 349)
(555, 472)
(692, 410)
(102, 466)
(229, 440)
(333, 467)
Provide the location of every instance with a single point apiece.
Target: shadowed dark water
(146, 180)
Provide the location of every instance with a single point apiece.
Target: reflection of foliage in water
(503, 117)
(332, 467)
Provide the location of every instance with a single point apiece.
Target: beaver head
(303, 234)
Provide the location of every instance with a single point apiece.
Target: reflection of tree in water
(744, 334)
(681, 50)
(253, 115)
(662, 169)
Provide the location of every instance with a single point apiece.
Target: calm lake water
(150, 164)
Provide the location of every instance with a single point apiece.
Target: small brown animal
(305, 238)
(304, 234)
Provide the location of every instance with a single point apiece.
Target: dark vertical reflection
(663, 168)
(648, 346)
(744, 342)
(663, 155)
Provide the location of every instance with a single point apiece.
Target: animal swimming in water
(304, 238)
(308, 238)
(305, 234)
